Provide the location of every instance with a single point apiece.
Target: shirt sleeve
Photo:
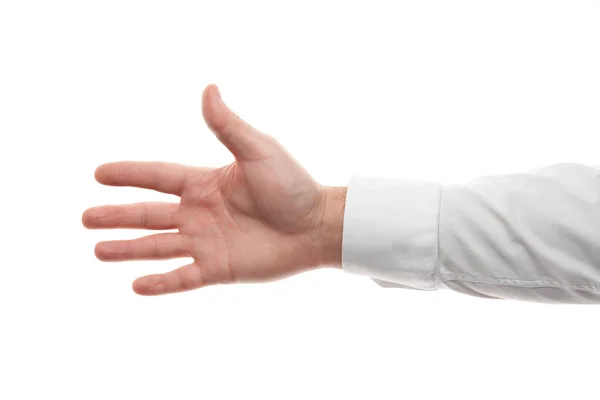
(533, 236)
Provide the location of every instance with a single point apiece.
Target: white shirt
(532, 236)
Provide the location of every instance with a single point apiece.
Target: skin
(258, 219)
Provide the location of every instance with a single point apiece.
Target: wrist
(329, 228)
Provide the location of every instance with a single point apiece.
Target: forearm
(531, 236)
(528, 236)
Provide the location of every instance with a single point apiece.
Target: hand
(260, 218)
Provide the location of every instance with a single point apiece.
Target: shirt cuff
(391, 231)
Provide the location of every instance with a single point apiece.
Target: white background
(442, 90)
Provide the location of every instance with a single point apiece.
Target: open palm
(257, 219)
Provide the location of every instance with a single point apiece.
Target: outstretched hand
(258, 219)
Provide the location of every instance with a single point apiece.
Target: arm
(532, 236)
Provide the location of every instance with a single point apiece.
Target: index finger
(160, 176)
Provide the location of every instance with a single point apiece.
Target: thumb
(242, 140)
